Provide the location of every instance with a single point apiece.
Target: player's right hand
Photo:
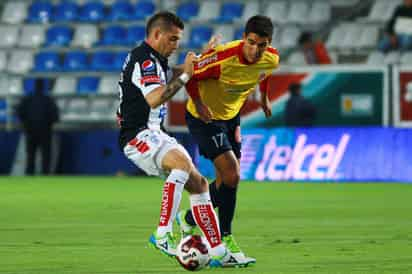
(189, 63)
(204, 112)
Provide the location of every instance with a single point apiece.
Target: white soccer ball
(192, 253)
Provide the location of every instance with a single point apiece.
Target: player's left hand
(213, 42)
(266, 107)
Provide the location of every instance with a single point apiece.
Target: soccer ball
(192, 253)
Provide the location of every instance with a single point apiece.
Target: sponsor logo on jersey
(148, 65)
(207, 61)
(151, 79)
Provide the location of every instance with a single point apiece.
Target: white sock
(207, 221)
(171, 197)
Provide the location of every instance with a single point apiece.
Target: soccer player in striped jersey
(222, 80)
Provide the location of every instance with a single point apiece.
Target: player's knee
(231, 179)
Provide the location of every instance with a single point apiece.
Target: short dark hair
(261, 25)
(165, 20)
(306, 36)
(294, 88)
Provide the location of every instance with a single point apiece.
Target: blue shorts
(216, 137)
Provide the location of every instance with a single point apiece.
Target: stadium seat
(229, 12)
(85, 36)
(92, 12)
(59, 36)
(9, 34)
(376, 58)
(143, 9)
(207, 10)
(298, 12)
(87, 85)
(64, 85)
(135, 34)
(352, 36)
(65, 11)
(102, 61)
(277, 11)
(369, 37)
(75, 61)
(239, 33)
(61, 105)
(14, 12)
(289, 36)
(109, 85)
(30, 83)
(115, 36)
(187, 10)
(3, 60)
(32, 36)
(406, 58)
(15, 85)
(200, 35)
(251, 8)
(40, 12)
(4, 85)
(297, 59)
(76, 109)
(100, 109)
(121, 10)
(226, 31)
(119, 58)
(20, 61)
(3, 110)
(320, 12)
(336, 36)
(392, 58)
(47, 61)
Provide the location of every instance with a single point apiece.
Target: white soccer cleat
(237, 258)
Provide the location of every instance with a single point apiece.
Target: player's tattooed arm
(171, 89)
(162, 94)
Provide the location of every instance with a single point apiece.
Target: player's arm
(205, 68)
(163, 93)
(264, 97)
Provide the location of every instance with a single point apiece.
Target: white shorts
(148, 149)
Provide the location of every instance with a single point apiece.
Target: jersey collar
(161, 58)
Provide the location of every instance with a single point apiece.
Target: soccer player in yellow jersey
(222, 80)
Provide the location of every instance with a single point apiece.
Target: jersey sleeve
(207, 67)
(146, 75)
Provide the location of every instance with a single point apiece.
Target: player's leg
(175, 163)
(31, 148)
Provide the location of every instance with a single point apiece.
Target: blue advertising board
(324, 154)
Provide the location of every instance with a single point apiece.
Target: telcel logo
(285, 162)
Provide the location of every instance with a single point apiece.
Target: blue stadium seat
(102, 61)
(114, 35)
(59, 36)
(239, 33)
(92, 12)
(135, 34)
(65, 11)
(75, 61)
(229, 12)
(143, 9)
(119, 59)
(187, 10)
(29, 85)
(87, 85)
(181, 57)
(3, 111)
(40, 12)
(199, 36)
(121, 10)
(47, 61)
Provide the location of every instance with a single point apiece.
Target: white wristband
(184, 77)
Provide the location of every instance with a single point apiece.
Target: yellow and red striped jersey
(223, 79)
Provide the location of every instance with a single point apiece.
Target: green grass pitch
(88, 225)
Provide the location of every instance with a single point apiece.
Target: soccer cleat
(219, 261)
(237, 257)
(185, 228)
(165, 244)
